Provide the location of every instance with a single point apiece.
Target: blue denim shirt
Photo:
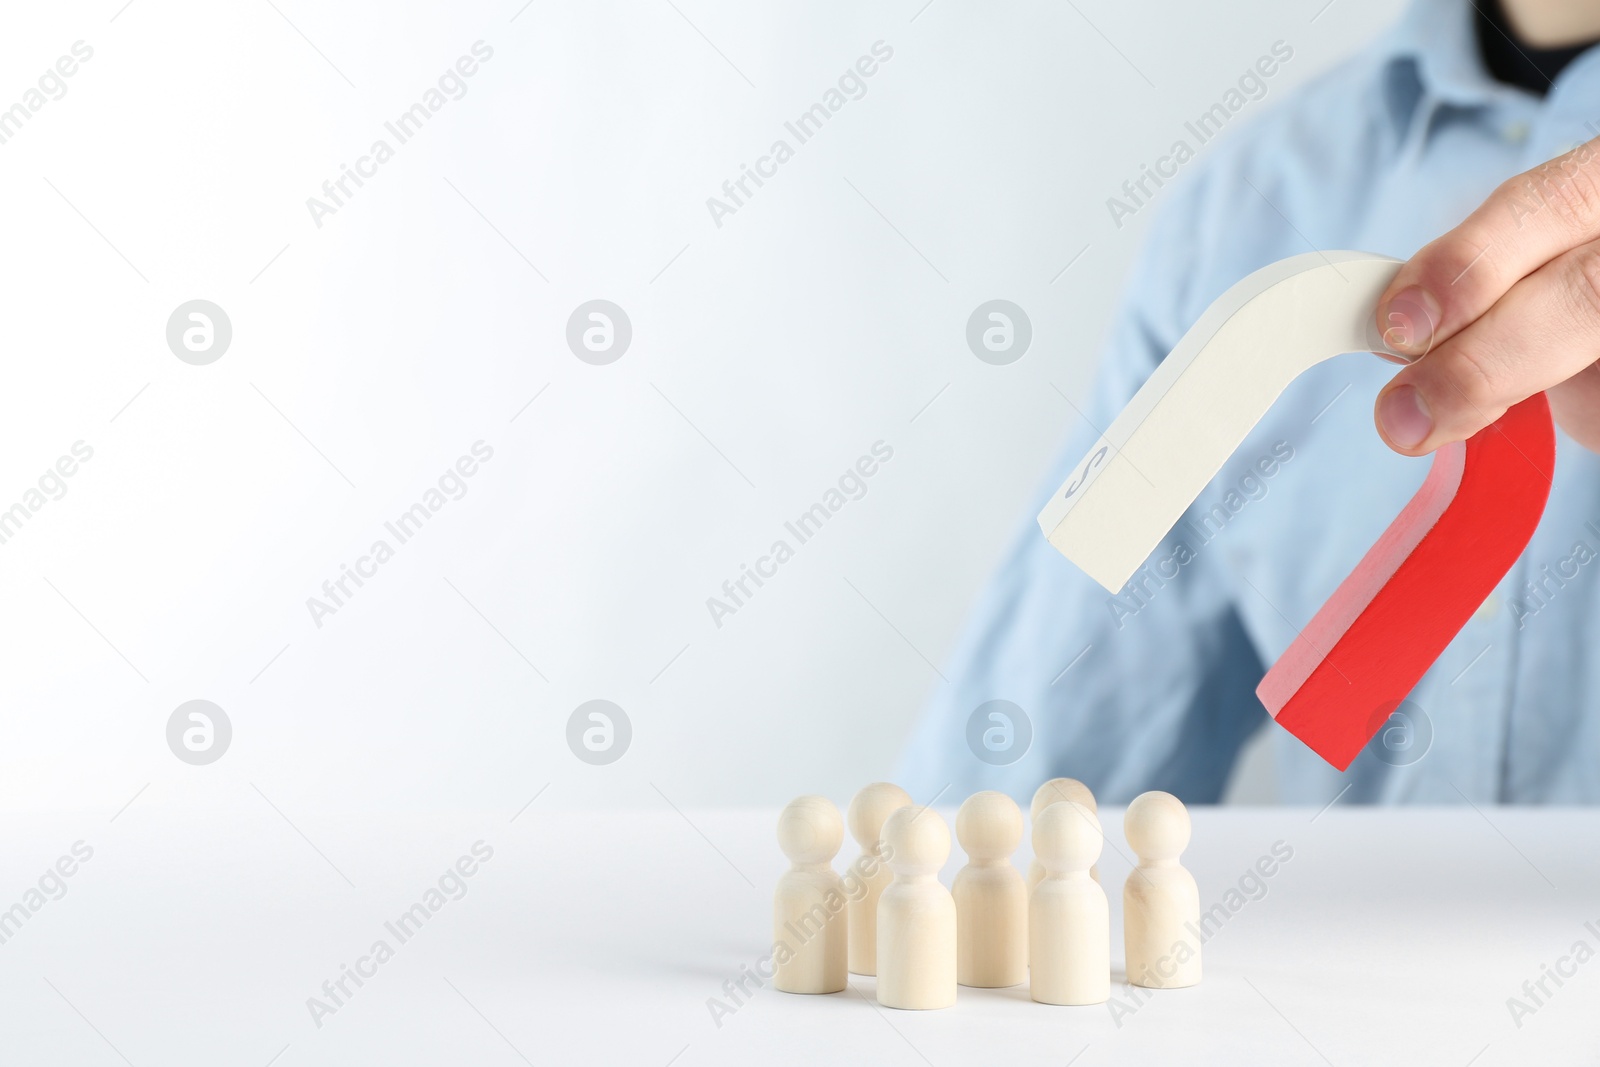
(1154, 688)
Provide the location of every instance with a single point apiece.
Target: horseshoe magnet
(1413, 591)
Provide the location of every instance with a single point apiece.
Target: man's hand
(1503, 306)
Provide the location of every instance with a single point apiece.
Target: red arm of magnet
(1370, 644)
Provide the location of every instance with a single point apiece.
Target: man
(1451, 116)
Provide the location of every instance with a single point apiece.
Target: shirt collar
(1430, 58)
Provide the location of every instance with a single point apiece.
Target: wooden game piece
(1160, 901)
(1443, 555)
(1053, 792)
(916, 914)
(868, 810)
(991, 897)
(1369, 645)
(1069, 918)
(808, 909)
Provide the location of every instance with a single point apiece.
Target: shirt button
(1515, 132)
(1488, 609)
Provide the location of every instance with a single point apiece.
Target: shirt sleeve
(1150, 689)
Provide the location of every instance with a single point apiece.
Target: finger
(1526, 222)
(1575, 405)
(1545, 330)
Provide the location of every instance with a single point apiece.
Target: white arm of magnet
(1193, 412)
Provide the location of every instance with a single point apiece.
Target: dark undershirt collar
(1511, 61)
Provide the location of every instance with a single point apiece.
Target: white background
(368, 354)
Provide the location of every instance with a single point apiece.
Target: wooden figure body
(1053, 792)
(808, 908)
(1069, 918)
(990, 894)
(916, 915)
(868, 810)
(1160, 901)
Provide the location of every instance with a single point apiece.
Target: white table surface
(1392, 936)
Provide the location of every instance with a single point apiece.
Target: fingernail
(1411, 320)
(1403, 416)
